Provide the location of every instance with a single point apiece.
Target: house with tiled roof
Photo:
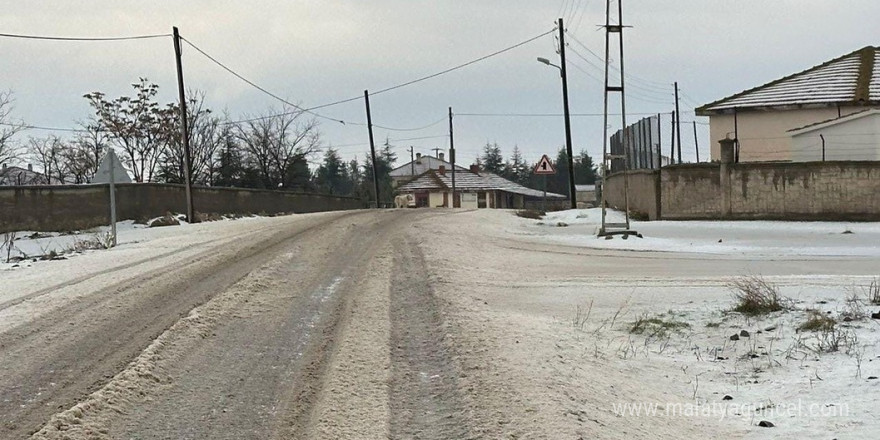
(473, 189)
(766, 120)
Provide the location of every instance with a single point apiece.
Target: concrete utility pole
(372, 145)
(184, 130)
(572, 194)
(110, 157)
(677, 123)
(412, 161)
(452, 155)
(696, 142)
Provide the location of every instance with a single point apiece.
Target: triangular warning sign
(120, 175)
(544, 166)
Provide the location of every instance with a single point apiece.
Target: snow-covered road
(438, 324)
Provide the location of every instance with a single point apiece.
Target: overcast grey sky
(317, 51)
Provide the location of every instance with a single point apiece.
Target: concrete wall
(845, 190)
(643, 193)
(53, 208)
(763, 135)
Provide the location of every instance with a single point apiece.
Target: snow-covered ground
(747, 238)
(560, 304)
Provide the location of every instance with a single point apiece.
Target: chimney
(442, 156)
(4, 166)
(475, 169)
(442, 170)
(419, 158)
(30, 167)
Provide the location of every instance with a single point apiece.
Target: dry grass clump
(531, 214)
(657, 326)
(756, 296)
(817, 322)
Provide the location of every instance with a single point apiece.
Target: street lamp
(571, 191)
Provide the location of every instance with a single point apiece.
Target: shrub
(872, 292)
(531, 213)
(755, 296)
(817, 322)
(656, 326)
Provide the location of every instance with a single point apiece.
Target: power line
(38, 127)
(543, 115)
(251, 83)
(411, 129)
(460, 66)
(43, 37)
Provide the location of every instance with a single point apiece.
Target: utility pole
(436, 152)
(111, 156)
(677, 123)
(452, 155)
(672, 141)
(659, 143)
(372, 145)
(568, 148)
(607, 228)
(412, 161)
(696, 142)
(184, 130)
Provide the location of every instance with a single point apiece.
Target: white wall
(469, 200)
(435, 199)
(763, 135)
(858, 139)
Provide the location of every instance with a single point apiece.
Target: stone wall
(827, 191)
(643, 191)
(76, 207)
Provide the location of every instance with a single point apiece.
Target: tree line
(519, 170)
(270, 150)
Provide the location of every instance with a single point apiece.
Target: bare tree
(49, 154)
(206, 136)
(9, 149)
(137, 125)
(84, 153)
(276, 141)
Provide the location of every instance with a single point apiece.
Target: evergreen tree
(331, 175)
(492, 160)
(584, 169)
(517, 169)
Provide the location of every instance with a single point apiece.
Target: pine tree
(492, 160)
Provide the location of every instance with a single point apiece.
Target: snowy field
(747, 238)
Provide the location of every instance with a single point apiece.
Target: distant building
(17, 176)
(585, 196)
(473, 189)
(783, 120)
(419, 166)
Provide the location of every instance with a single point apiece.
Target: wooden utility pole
(696, 142)
(372, 146)
(184, 130)
(677, 123)
(412, 161)
(452, 155)
(659, 143)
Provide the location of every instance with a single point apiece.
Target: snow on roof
(585, 187)
(432, 180)
(421, 165)
(850, 79)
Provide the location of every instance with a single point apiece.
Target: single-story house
(762, 118)
(473, 189)
(17, 176)
(852, 137)
(419, 166)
